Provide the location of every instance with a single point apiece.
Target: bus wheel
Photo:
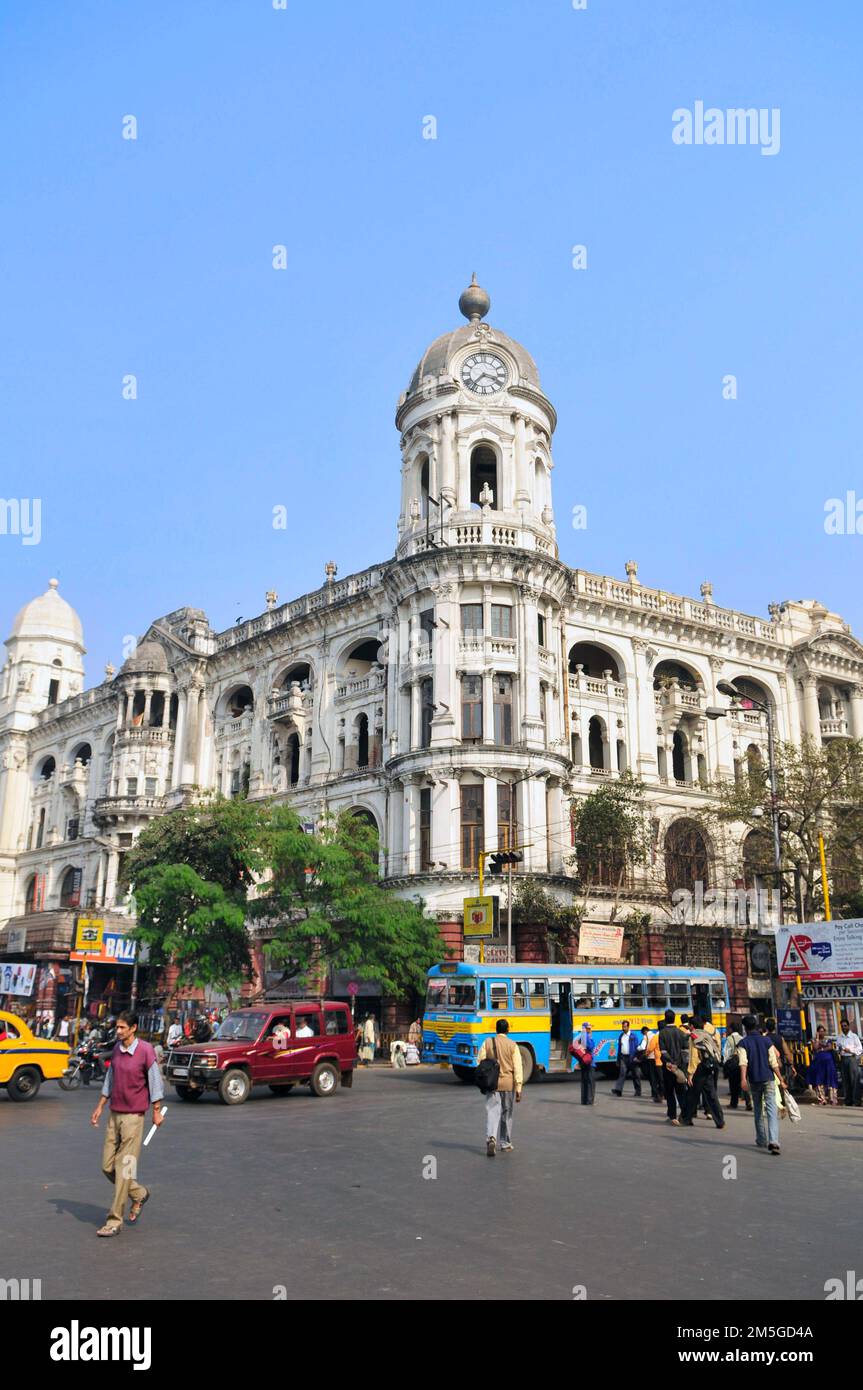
(528, 1065)
(462, 1073)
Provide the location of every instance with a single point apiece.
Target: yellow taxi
(25, 1060)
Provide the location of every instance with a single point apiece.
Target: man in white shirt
(175, 1034)
(626, 1054)
(850, 1048)
(303, 1030)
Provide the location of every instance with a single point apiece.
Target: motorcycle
(90, 1063)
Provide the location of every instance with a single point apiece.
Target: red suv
(308, 1042)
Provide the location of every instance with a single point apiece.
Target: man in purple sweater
(133, 1082)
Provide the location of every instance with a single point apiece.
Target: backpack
(708, 1054)
(487, 1074)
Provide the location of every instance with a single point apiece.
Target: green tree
(325, 905)
(612, 835)
(222, 840)
(534, 906)
(194, 925)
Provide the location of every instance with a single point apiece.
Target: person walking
(653, 1062)
(702, 1072)
(674, 1052)
(499, 1104)
(63, 1033)
(823, 1075)
(731, 1063)
(849, 1047)
(133, 1082)
(369, 1046)
(582, 1048)
(759, 1071)
(627, 1056)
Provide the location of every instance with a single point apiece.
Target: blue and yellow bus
(546, 1004)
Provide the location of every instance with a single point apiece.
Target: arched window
(294, 759)
(540, 488)
(503, 710)
(82, 754)
(30, 893)
(670, 673)
(363, 741)
(424, 485)
(595, 742)
(426, 711)
(240, 700)
(678, 756)
(47, 769)
(359, 660)
(593, 660)
(686, 861)
(70, 888)
(301, 672)
(483, 475)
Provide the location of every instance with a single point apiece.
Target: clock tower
(476, 433)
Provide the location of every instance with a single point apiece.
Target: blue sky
(259, 388)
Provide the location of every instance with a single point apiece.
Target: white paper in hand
(153, 1128)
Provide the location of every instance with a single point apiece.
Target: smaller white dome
(49, 616)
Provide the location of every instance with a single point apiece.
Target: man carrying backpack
(703, 1071)
(500, 1080)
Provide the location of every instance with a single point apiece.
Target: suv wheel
(234, 1087)
(25, 1084)
(325, 1079)
(189, 1092)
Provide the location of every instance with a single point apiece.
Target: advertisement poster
(821, 950)
(17, 978)
(601, 941)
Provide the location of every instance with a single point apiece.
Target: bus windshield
(451, 994)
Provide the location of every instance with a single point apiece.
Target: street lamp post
(726, 688)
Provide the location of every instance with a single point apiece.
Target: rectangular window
(131, 786)
(633, 994)
(519, 995)
(427, 625)
(678, 994)
(717, 994)
(657, 994)
(72, 825)
(503, 710)
(310, 1021)
(426, 712)
(501, 620)
(583, 995)
(540, 629)
(150, 786)
(536, 995)
(53, 692)
(498, 995)
(608, 992)
(41, 828)
(471, 619)
(335, 1021)
(471, 709)
(425, 829)
(472, 838)
(506, 806)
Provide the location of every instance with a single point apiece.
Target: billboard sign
(821, 950)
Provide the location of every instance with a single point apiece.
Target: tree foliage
(325, 905)
(194, 925)
(611, 833)
(222, 840)
(533, 905)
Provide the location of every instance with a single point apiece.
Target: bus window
(519, 999)
(537, 994)
(633, 994)
(497, 994)
(482, 995)
(582, 994)
(609, 994)
(657, 994)
(678, 994)
(462, 995)
(717, 994)
(436, 996)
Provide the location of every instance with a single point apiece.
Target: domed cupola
(46, 650)
(476, 441)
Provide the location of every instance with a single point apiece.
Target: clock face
(483, 373)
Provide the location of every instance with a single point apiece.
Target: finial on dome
(53, 583)
(473, 302)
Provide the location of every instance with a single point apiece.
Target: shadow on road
(82, 1211)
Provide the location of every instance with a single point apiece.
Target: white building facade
(459, 694)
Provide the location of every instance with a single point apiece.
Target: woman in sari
(823, 1075)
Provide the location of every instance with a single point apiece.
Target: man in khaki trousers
(499, 1103)
(133, 1082)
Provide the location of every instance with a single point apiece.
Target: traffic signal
(498, 861)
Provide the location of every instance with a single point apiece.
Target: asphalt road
(327, 1198)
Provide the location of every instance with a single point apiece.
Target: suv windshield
(241, 1027)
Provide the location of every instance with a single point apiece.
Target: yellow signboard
(88, 935)
(480, 916)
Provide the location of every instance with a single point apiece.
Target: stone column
(489, 813)
(111, 880)
(416, 720)
(447, 466)
(121, 708)
(857, 711)
(410, 835)
(811, 712)
(445, 825)
(179, 741)
(522, 485)
(202, 749)
(444, 651)
(148, 700)
(488, 707)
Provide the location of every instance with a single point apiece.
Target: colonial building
(459, 694)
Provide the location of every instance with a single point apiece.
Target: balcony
(834, 728)
(285, 704)
(581, 684)
(476, 648)
(148, 736)
(361, 685)
(676, 699)
(108, 808)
